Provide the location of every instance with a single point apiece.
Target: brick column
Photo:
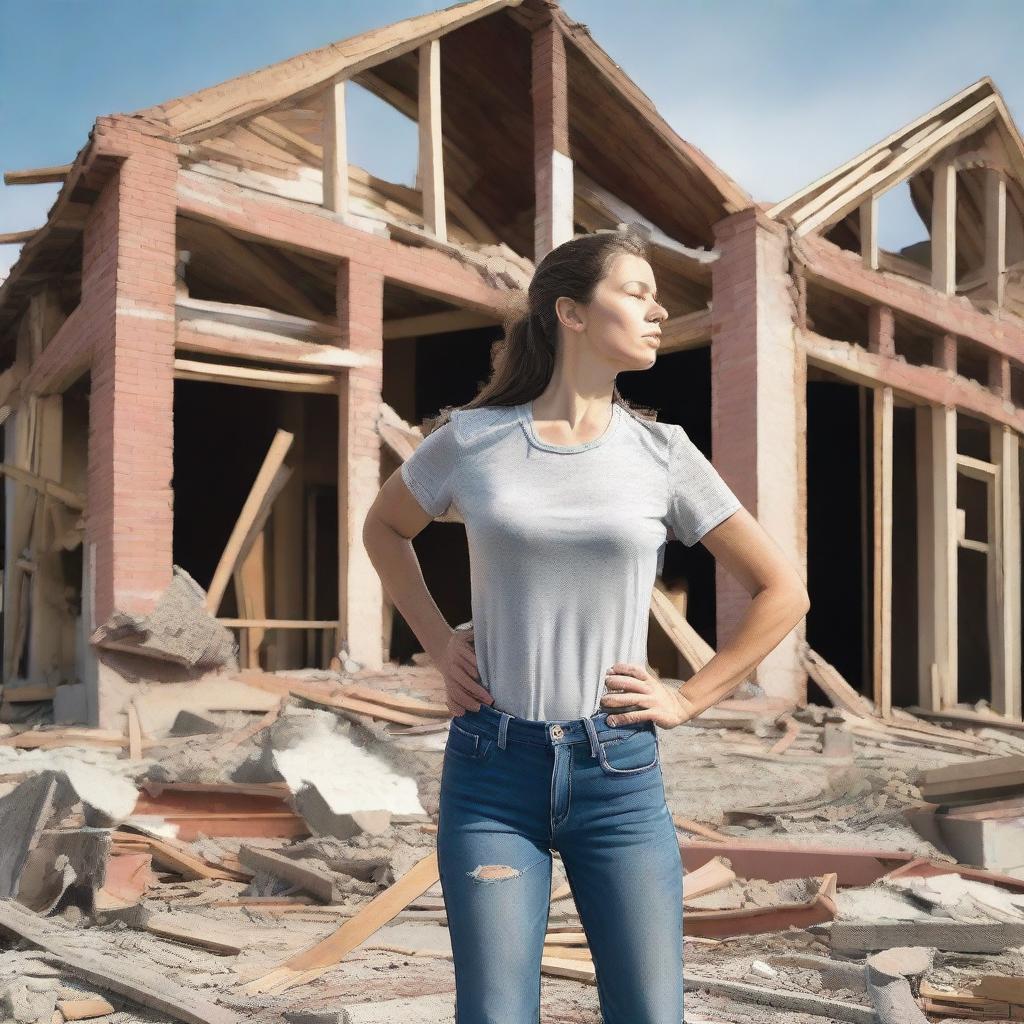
(360, 594)
(758, 413)
(552, 162)
(128, 290)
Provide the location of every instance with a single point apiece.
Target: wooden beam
(17, 237)
(106, 967)
(335, 149)
(45, 486)
(309, 964)
(691, 330)
(277, 134)
(37, 175)
(268, 483)
(49, 607)
(902, 138)
(938, 606)
(431, 160)
(921, 383)
(882, 504)
(292, 226)
(995, 235)
(1005, 563)
(903, 165)
(278, 623)
(869, 232)
(943, 228)
(437, 323)
(838, 270)
(215, 338)
(249, 377)
(552, 162)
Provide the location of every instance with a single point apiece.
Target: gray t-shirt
(564, 543)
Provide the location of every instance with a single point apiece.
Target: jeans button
(557, 732)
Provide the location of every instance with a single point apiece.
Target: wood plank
(14, 694)
(943, 228)
(127, 977)
(37, 175)
(995, 235)
(835, 687)
(252, 377)
(869, 232)
(335, 149)
(164, 926)
(311, 963)
(134, 733)
(19, 237)
(318, 882)
(431, 160)
(228, 341)
(944, 629)
(969, 717)
(266, 480)
(929, 384)
(50, 488)
(902, 166)
(1005, 610)
(882, 535)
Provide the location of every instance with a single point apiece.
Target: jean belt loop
(592, 733)
(503, 729)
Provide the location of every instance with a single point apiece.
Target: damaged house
(227, 335)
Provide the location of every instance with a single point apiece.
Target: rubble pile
(261, 847)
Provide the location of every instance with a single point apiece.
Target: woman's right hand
(463, 689)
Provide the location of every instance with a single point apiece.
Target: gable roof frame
(899, 156)
(201, 114)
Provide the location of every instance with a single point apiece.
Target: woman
(567, 495)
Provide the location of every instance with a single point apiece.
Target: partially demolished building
(223, 338)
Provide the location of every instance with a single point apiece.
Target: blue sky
(776, 92)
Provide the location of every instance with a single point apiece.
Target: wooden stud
(995, 234)
(882, 506)
(335, 146)
(866, 503)
(938, 523)
(37, 175)
(431, 161)
(272, 476)
(869, 232)
(944, 228)
(1005, 574)
(252, 377)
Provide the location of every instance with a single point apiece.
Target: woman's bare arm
(394, 518)
(780, 601)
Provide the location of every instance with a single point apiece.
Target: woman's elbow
(801, 600)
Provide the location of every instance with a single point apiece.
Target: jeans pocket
(629, 755)
(465, 744)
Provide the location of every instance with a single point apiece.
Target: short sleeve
(698, 498)
(429, 471)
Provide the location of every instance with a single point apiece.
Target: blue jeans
(514, 789)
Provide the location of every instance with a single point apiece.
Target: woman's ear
(568, 313)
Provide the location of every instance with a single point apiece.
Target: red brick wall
(360, 298)
(128, 292)
(758, 414)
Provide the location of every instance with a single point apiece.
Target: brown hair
(524, 359)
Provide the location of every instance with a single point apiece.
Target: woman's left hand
(634, 685)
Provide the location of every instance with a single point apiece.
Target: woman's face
(622, 322)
